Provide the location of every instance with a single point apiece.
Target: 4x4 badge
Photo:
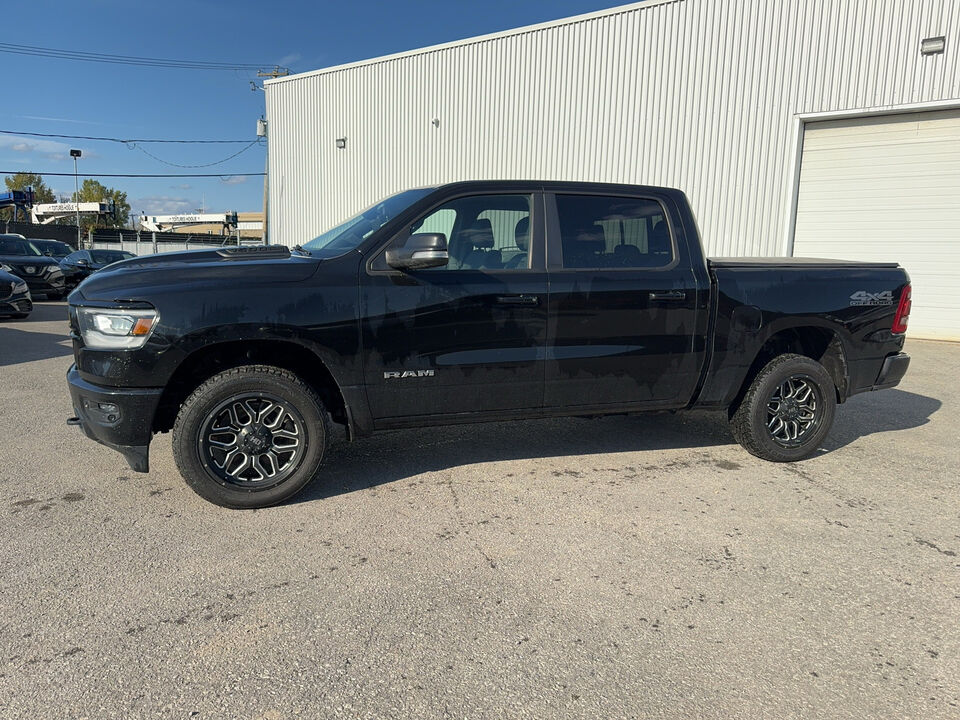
(862, 297)
(395, 374)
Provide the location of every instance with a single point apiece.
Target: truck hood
(193, 269)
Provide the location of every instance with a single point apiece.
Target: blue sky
(49, 95)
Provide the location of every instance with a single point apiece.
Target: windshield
(105, 257)
(349, 234)
(54, 247)
(16, 246)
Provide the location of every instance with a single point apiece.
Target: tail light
(902, 317)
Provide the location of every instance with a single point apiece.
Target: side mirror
(423, 250)
(82, 262)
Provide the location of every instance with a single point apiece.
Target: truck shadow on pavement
(20, 344)
(404, 454)
(879, 412)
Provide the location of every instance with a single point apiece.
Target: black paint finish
(441, 346)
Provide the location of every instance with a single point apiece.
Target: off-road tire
(191, 450)
(749, 424)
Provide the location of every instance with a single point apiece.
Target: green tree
(21, 181)
(92, 191)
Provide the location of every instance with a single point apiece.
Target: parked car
(52, 248)
(79, 265)
(42, 274)
(15, 300)
(470, 302)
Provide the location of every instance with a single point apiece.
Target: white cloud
(163, 205)
(286, 60)
(35, 146)
(48, 149)
(58, 119)
(181, 186)
(234, 179)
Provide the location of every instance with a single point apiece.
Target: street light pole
(76, 198)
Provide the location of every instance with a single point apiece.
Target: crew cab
(469, 302)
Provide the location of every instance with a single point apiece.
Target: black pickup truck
(470, 302)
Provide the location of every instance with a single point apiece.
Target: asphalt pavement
(628, 567)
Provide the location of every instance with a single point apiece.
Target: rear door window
(613, 232)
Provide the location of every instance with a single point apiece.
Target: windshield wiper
(302, 250)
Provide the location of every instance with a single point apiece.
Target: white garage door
(888, 188)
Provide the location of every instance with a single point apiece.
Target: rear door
(622, 318)
(469, 337)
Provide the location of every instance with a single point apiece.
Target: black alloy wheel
(787, 410)
(250, 437)
(252, 440)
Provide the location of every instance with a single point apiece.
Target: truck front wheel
(787, 411)
(250, 437)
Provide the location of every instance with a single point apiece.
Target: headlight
(53, 270)
(6, 268)
(115, 329)
(19, 287)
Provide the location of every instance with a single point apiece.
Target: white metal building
(807, 127)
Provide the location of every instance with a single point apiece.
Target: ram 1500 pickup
(470, 302)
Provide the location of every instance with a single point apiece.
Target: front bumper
(16, 304)
(53, 285)
(892, 372)
(120, 418)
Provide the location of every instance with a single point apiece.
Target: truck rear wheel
(787, 410)
(250, 437)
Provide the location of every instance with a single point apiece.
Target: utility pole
(277, 72)
(76, 184)
(262, 132)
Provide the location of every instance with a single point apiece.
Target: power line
(133, 175)
(202, 165)
(124, 59)
(119, 140)
(137, 143)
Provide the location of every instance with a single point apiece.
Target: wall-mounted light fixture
(341, 143)
(933, 45)
(436, 122)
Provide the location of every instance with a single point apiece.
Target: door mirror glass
(422, 250)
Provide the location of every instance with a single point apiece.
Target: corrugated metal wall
(697, 94)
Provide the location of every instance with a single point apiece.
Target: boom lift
(46, 213)
(161, 223)
(19, 200)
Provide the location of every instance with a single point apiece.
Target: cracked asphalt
(631, 567)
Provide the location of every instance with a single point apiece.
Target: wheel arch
(211, 359)
(818, 342)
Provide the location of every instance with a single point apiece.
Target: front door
(468, 337)
(623, 302)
